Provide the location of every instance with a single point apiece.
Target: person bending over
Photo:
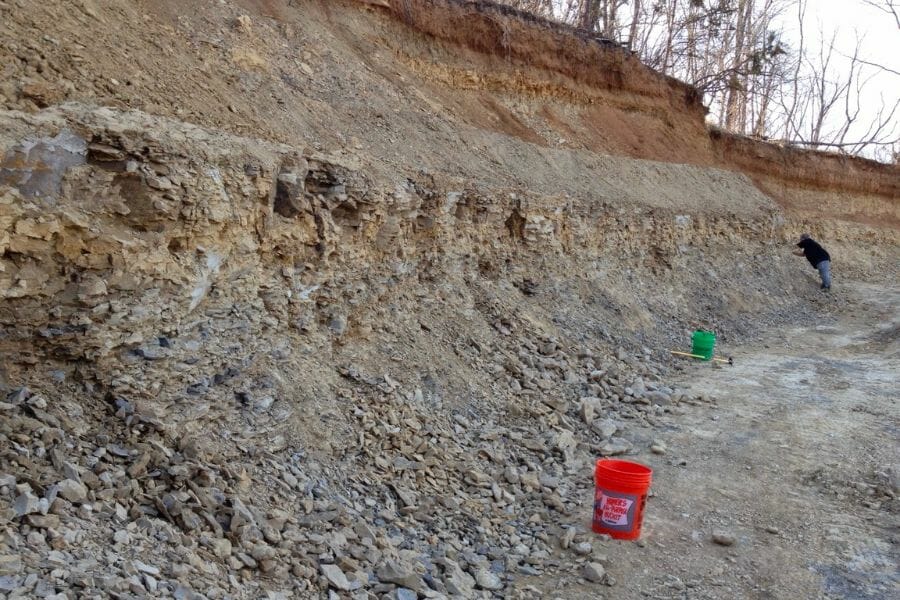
(817, 256)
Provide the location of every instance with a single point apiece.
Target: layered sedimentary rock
(299, 297)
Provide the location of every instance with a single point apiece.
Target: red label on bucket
(614, 510)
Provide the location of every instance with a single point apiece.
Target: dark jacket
(813, 252)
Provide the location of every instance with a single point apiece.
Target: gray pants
(824, 269)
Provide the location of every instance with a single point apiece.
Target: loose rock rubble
(424, 504)
(232, 367)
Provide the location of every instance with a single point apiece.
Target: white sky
(880, 43)
(881, 36)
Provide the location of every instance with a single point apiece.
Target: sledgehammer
(730, 360)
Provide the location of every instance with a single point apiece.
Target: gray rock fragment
(593, 572)
(336, 577)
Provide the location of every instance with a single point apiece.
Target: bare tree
(632, 30)
(733, 52)
(822, 106)
(590, 12)
(736, 85)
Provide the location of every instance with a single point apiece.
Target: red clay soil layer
(825, 171)
(497, 30)
(517, 36)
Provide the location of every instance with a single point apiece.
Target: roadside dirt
(795, 457)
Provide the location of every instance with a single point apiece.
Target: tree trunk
(736, 80)
(590, 13)
(609, 20)
(670, 35)
(635, 16)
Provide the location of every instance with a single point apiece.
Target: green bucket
(703, 344)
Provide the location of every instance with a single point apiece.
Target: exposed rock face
(234, 363)
(186, 212)
(199, 304)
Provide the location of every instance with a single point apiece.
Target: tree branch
(888, 8)
(871, 64)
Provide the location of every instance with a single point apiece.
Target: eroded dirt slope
(305, 299)
(448, 86)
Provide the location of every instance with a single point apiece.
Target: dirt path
(792, 459)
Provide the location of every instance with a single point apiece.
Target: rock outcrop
(344, 303)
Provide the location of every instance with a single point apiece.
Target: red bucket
(619, 497)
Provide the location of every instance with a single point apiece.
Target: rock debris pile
(424, 503)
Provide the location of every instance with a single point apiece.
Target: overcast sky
(880, 42)
(879, 30)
